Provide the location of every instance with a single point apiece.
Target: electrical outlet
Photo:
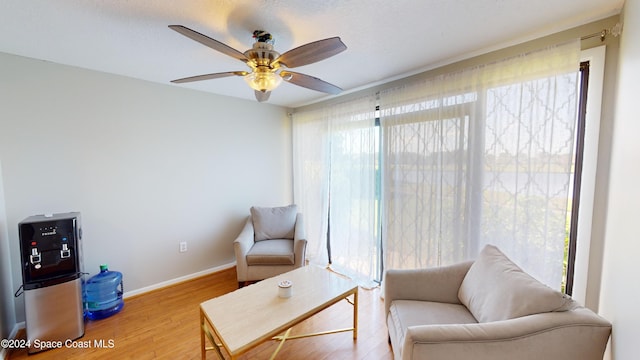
(183, 246)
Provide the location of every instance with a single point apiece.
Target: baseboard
(19, 326)
(4, 354)
(163, 284)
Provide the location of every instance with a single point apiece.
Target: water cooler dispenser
(52, 278)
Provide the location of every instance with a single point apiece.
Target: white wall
(620, 293)
(148, 165)
(7, 310)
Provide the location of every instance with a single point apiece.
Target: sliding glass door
(451, 163)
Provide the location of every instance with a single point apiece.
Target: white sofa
(487, 309)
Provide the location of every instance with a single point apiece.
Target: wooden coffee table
(247, 317)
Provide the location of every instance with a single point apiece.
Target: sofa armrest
(241, 246)
(299, 241)
(578, 334)
(439, 284)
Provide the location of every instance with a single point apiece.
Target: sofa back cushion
(496, 289)
(274, 222)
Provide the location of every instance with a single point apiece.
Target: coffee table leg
(205, 333)
(283, 338)
(355, 314)
(203, 349)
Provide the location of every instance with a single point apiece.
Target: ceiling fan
(266, 64)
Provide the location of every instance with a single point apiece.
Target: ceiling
(386, 39)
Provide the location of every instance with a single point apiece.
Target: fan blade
(209, 76)
(312, 52)
(262, 96)
(310, 82)
(207, 41)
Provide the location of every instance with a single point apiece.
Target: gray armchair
(272, 242)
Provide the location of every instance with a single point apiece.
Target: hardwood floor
(164, 324)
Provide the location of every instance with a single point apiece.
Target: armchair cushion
(274, 222)
(271, 252)
(406, 314)
(496, 289)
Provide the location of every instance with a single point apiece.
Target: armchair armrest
(241, 246)
(439, 284)
(299, 241)
(576, 334)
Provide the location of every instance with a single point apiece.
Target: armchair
(487, 309)
(272, 242)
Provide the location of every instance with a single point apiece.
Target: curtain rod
(616, 30)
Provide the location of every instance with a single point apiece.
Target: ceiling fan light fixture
(263, 80)
(265, 63)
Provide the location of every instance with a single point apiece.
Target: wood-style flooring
(164, 324)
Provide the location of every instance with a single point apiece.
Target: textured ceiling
(386, 39)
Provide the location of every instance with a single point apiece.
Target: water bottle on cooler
(103, 294)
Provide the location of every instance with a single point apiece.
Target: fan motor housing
(262, 54)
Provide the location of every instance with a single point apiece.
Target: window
(455, 162)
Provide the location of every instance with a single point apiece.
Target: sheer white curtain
(482, 156)
(426, 162)
(310, 141)
(335, 160)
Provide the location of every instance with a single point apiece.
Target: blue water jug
(103, 294)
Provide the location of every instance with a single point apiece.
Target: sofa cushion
(497, 289)
(271, 252)
(274, 222)
(406, 313)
